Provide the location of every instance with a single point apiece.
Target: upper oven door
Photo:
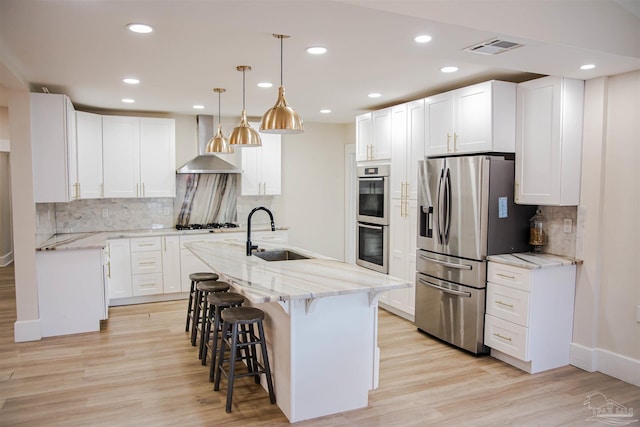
(373, 200)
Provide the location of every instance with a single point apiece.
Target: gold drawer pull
(504, 304)
(500, 336)
(506, 276)
(147, 262)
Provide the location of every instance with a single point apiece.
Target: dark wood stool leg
(203, 325)
(196, 317)
(232, 365)
(225, 327)
(206, 334)
(190, 308)
(265, 362)
(214, 344)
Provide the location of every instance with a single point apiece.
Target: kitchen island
(321, 323)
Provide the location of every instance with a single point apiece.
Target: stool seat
(242, 315)
(195, 278)
(223, 299)
(212, 286)
(202, 276)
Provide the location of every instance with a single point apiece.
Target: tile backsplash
(559, 242)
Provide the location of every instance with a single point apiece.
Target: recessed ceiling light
(449, 69)
(198, 107)
(131, 81)
(128, 100)
(374, 95)
(423, 38)
(265, 84)
(325, 111)
(140, 28)
(317, 50)
(587, 67)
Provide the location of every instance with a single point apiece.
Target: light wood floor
(140, 370)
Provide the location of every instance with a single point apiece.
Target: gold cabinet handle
(143, 189)
(109, 269)
(164, 243)
(506, 276)
(137, 192)
(504, 304)
(503, 337)
(448, 138)
(455, 141)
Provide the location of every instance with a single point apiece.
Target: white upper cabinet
(549, 141)
(407, 148)
(373, 135)
(53, 138)
(262, 167)
(138, 156)
(472, 119)
(89, 128)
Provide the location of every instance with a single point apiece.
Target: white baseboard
(27, 330)
(597, 359)
(6, 259)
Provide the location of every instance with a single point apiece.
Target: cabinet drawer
(145, 244)
(146, 262)
(507, 275)
(147, 284)
(508, 304)
(506, 337)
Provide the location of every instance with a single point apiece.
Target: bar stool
(217, 302)
(195, 278)
(200, 311)
(238, 334)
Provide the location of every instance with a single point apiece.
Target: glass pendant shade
(244, 135)
(218, 144)
(281, 118)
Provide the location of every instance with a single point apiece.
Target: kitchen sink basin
(279, 255)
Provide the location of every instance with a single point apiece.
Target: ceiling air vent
(492, 47)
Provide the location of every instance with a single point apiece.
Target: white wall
(6, 241)
(312, 200)
(606, 334)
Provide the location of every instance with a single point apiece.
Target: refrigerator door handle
(447, 264)
(445, 290)
(439, 223)
(447, 185)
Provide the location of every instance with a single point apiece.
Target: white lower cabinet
(171, 264)
(119, 268)
(529, 315)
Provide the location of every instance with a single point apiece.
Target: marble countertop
(98, 239)
(532, 260)
(271, 281)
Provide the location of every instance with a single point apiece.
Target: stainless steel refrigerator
(466, 212)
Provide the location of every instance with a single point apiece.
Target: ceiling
(83, 49)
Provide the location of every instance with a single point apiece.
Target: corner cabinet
(138, 157)
(89, 132)
(373, 135)
(262, 167)
(53, 141)
(549, 141)
(529, 315)
(472, 119)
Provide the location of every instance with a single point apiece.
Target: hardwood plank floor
(141, 370)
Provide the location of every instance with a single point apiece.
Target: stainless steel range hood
(206, 162)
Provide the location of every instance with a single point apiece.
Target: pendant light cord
(281, 56)
(219, 116)
(243, 88)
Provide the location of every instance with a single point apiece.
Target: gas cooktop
(209, 226)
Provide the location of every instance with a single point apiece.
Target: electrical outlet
(105, 213)
(567, 225)
(167, 211)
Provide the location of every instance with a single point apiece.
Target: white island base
(323, 353)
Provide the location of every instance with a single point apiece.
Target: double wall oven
(372, 230)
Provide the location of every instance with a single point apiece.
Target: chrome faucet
(251, 247)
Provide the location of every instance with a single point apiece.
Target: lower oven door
(451, 312)
(372, 242)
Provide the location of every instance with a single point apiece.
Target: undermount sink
(279, 255)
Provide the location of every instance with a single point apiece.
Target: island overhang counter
(321, 323)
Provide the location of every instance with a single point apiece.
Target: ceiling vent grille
(492, 47)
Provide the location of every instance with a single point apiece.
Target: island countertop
(272, 281)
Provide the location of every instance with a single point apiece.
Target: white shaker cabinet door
(121, 156)
(438, 110)
(157, 157)
(271, 164)
(364, 137)
(89, 130)
(171, 264)
(473, 119)
(119, 268)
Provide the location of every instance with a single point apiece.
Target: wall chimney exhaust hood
(206, 162)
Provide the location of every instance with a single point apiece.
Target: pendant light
(219, 144)
(243, 134)
(281, 118)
